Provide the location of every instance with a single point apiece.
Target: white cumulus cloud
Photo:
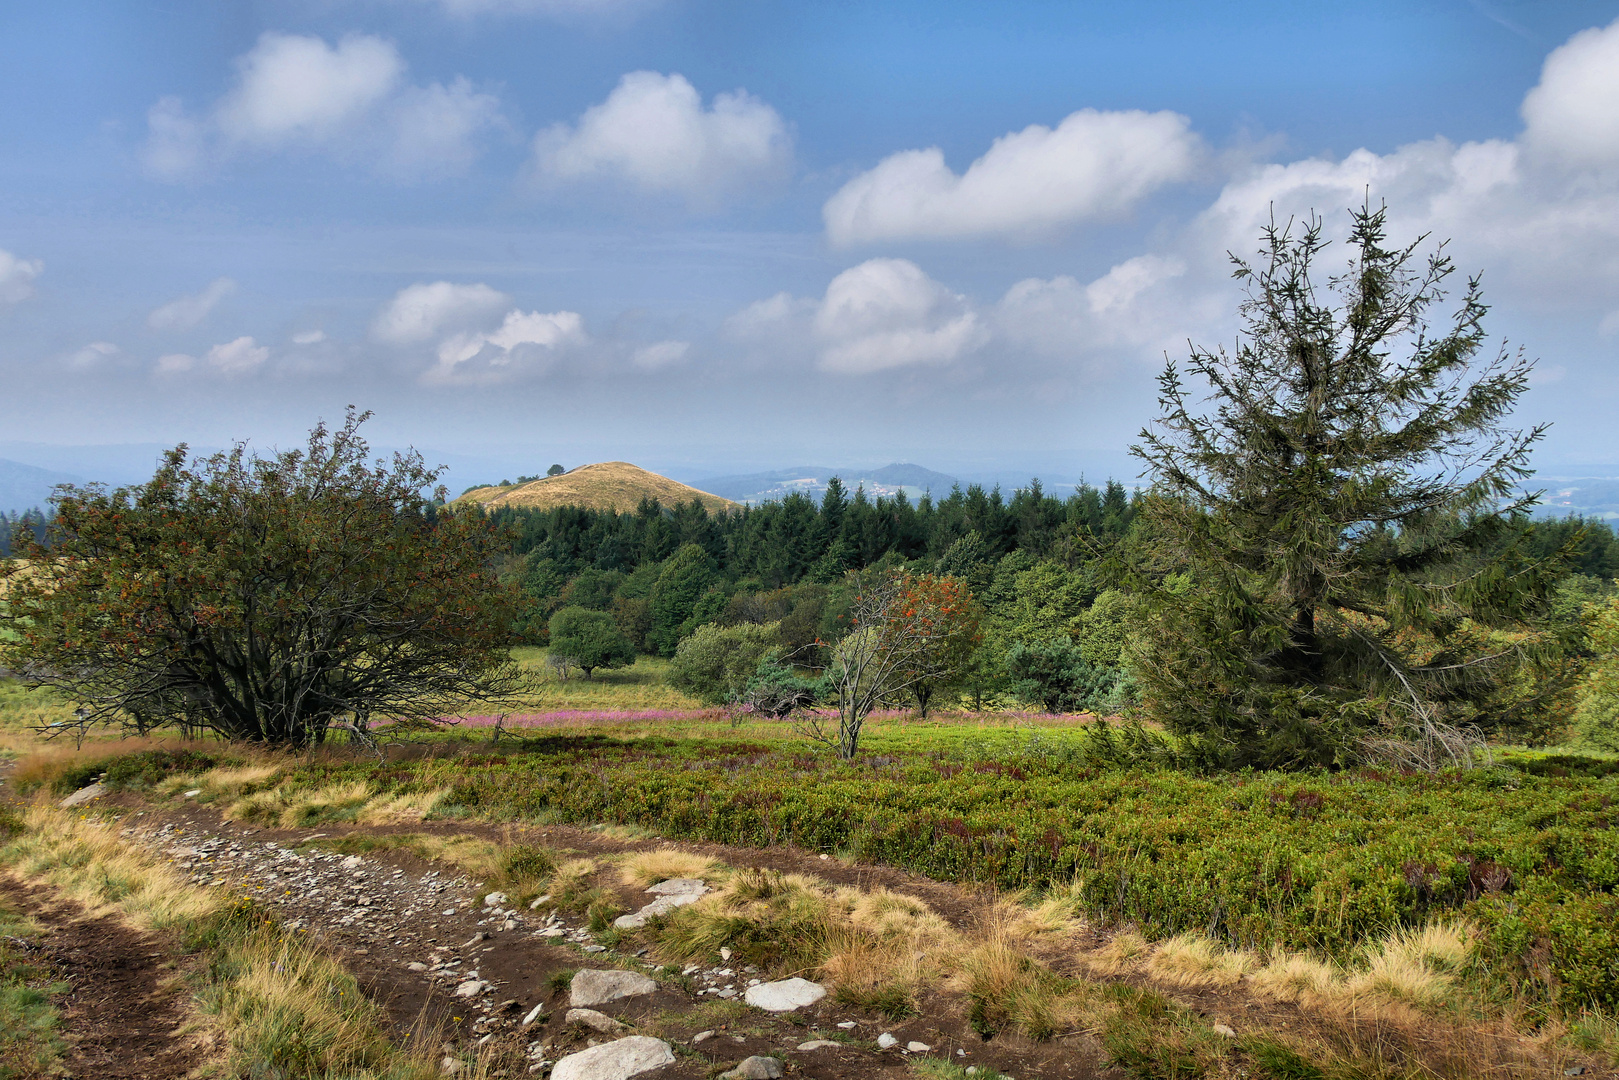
(1128, 305)
(654, 133)
(522, 337)
(887, 313)
(421, 312)
(349, 100)
(187, 311)
(1094, 164)
(238, 357)
(881, 314)
(92, 355)
(17, 277)
(292, 86)
(660, 354)
(1573, 113)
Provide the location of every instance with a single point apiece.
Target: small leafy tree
(591, 639)
(1347, 513)
(264, 598)
(716, 662)
(555, 470)
(956, 618)
(1056, 675)
(905, 629)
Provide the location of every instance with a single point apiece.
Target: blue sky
(713, 237)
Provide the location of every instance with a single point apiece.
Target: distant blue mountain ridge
(24, 487)
(811, 480)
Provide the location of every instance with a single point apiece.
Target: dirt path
(417, 937)
(126, 1013)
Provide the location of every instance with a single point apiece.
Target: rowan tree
(905, 630)
(1348, 511)
(264, 598)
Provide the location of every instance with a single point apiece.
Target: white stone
(416, 965)
(1222, 1029)
(471, 988)
(886, 1041)
(785, 996)
(594, 1020)
(554, 932)
(848, 1025)
(701, 1036)
(817, 1044)
(725, 954)
(592, 987)
(351, 863)
(661, 906)
(616, 1060)
(83, 795)
(450, 1065)
(755, 1068)
(918, 1047)
(533, 1014)
(534, 904)
(679, 886)
(194, 792)
(495, 899)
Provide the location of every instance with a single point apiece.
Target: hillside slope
(607, 485)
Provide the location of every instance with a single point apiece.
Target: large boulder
(592, 987)
(616, 1060)
(785, 996)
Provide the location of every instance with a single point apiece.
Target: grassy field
(1302, 869)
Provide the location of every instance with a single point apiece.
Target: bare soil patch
(126, 1015)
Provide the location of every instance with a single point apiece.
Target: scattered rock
(534, 904)
(594, 1020)
(725, 954)
(496, 899)
(450, 1065)
(352, 862)
(785, 996)
(193, 793)
(701, 1036)
(818, 1044)
(592, 987)
(917, 1047)
(83, 795)
(1222, 1029)
(755, 1068)
(848, 1025)
(416, 965)
(616, 1060)
(886, 1041)
(533, 1014)
(679, 886)
(481, 935)
(471, 988)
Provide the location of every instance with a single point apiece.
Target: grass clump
(30, 1024)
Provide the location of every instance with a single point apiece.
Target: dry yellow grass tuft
(645, 868)
(1194, 960)
(608, 485)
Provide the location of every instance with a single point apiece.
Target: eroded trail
(125, 1013)
(424, 945)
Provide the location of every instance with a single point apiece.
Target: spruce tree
(1346, 504)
